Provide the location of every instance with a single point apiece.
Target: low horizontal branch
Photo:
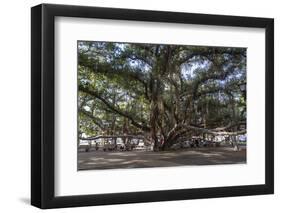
(113, 108)
(113, 136)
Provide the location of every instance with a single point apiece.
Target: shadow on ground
(146, 159)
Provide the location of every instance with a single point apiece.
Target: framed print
(140, 106)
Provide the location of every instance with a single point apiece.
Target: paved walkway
(145, 159)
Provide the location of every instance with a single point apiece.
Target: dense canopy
(164, 92)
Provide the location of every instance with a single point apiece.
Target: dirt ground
(146, 159)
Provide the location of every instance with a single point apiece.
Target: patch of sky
(135, 63)
(119, 48)
(188, 70)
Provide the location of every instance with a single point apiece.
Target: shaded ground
(144, 159)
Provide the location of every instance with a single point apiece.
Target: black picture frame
(43, 102)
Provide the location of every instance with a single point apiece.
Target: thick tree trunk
(153, 122)
(235, 143)
(153, 132)
(156, 146)
(166, 145)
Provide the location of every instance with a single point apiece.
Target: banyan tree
(164, 91)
